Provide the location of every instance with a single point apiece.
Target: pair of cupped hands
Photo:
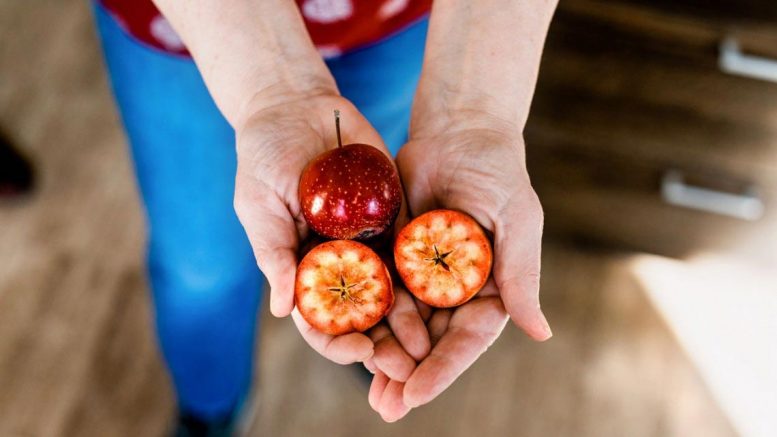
(463, 160)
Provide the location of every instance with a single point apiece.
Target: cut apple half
(443, 257)
(342, 286)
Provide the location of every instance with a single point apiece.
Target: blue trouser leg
(205, 283)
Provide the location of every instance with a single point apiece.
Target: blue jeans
(205, 282)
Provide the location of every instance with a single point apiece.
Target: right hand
(471, 162)
(276, 138)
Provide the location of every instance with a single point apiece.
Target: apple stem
(337, 127)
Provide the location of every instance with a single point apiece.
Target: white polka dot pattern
(161, 29)
(327, 11)
(392, 7)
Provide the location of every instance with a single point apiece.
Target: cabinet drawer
(695, 21)
(622, 99)
(717, 13)
(620, 203)
(610, 90)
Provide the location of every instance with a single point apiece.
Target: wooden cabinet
(710, 12)
(632, 103)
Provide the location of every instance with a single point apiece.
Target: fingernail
(411, 403)
(276, 307)
(544, 327)
(541, 329)
(369, 364)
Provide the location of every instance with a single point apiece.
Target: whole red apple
(351, 192)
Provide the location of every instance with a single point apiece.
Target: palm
(274, 146)
(481, 172)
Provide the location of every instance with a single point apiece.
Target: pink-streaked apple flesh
(342, 286)
(444, 257)
(351, 192)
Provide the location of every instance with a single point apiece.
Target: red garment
(336, 26)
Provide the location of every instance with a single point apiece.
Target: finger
(272, 233)
(518, 243)
(489, 289)
(392, 406)
(280, 267)
(424, 310)
(377, 387)
(438, 324)
(472, 329)
(369, 364)
(389, 355)
(342, 349)
(408, 326)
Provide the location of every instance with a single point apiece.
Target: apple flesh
(443, 257)
(342, 286)
(351, 192)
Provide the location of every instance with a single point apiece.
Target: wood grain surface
(77, 350)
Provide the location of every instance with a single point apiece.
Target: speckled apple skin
(350, 193)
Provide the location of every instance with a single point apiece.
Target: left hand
(473, 164)
(274, 143)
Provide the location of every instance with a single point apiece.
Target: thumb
(273, 236)
(518, 243)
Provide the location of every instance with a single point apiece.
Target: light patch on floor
(725, 316)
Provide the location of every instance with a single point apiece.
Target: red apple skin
(350, 193)
(342, 286)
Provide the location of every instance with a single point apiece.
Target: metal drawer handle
(733, 61)
(675, 191)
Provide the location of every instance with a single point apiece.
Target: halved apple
(342, 286)
(443, 257)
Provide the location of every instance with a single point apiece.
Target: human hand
(276, 139)
(473, 163)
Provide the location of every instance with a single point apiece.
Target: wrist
(450, 119)
(289, 90)
(489, 96)
(482, 58)
(247, 47)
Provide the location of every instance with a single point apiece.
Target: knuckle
(536, 213)
(531, 208)
(523, 210)
(242, 199)
(240, 205)
(532, 279)
(333, 354)
(402, 155)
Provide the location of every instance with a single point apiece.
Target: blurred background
(652, 144)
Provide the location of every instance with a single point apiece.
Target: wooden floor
(77, 350)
